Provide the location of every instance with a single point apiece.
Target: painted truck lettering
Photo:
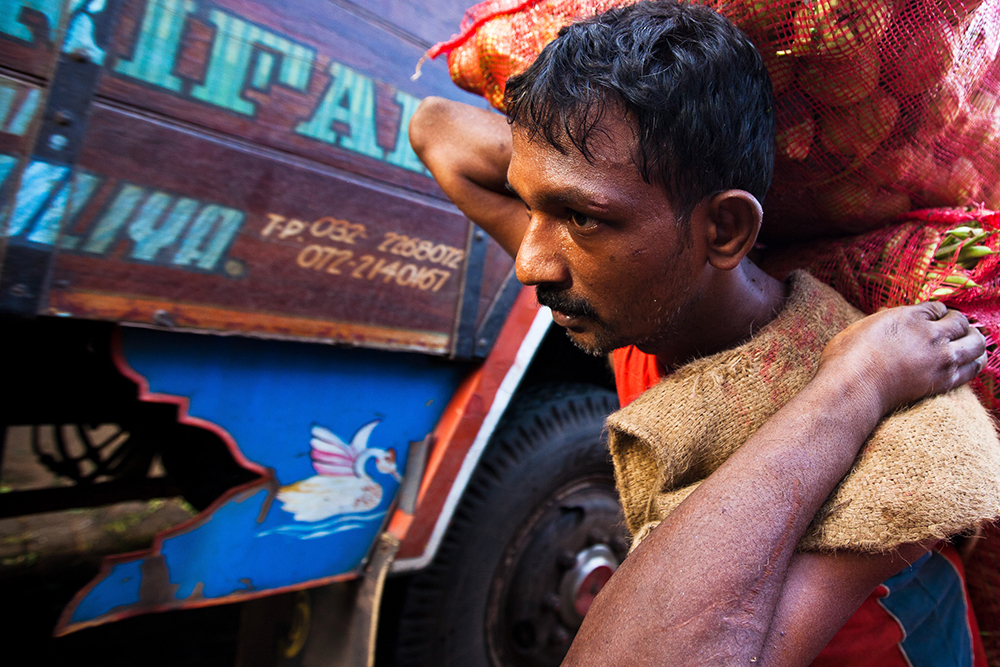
(247, 56)
(156, 221)
(163, 227)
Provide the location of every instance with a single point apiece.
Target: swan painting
(350, 478)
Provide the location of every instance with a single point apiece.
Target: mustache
(564, 302)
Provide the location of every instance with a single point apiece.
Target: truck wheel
(538, 532)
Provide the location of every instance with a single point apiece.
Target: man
(627, 185)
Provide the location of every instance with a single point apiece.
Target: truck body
(217, 235)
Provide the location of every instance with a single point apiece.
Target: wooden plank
(176, 216)
(30, 32)
(429, 23)
(245, 168)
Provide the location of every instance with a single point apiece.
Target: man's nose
(539, 257)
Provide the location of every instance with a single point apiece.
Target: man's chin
(591, 343)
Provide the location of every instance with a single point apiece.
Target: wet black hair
(690, 82)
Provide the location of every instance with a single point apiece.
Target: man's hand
(904, 354)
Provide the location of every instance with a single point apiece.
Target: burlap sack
(927, 472)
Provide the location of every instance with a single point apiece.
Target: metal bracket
(26, 267)
(414, 475)
(465, 330)
(364, 620)
(497, 314)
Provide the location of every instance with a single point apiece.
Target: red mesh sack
(949, 255)
(500, 38)
(883, 106)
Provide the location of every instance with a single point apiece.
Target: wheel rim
(561, 557)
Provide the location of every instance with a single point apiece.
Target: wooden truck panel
(239, 166)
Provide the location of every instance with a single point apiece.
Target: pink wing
(331, 455)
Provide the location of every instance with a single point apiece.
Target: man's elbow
(425, 121)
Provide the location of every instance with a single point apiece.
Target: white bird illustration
(350, 478)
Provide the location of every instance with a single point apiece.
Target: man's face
(601, 245)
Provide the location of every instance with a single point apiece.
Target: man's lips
(567, 320)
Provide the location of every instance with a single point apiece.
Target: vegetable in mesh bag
(883, 106)
(950, 255)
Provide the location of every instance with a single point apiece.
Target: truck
(226, 277)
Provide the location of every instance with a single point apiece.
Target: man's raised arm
(468, 152)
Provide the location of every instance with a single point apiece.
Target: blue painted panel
(334, 425)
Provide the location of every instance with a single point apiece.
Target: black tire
(542, 495)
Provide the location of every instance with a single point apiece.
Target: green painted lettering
(61, 211)
(262, 73)
(201, 246)
(10, 13)
(7, 93)
(150, 239)
(350, 100)
(114, 218)
(39, 183)
(18, 123)
(81, 34)
(157, 44)
(7, 164)
(18, 104)
(229, 73)
(403, 155)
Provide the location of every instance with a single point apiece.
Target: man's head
(624, 128)
(693, 87)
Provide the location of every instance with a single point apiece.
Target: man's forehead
(606, 180)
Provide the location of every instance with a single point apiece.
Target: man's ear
(734, 218)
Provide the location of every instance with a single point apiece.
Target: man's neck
(732, 306)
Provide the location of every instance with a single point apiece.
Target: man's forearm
(702, 588)
(468, 151)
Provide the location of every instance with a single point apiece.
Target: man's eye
(581, 220)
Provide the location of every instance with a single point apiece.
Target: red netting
(883, 106)
(948, 255)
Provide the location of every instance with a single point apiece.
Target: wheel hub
(581, 584)
(551, 572)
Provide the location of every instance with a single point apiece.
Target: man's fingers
(955, 325)
(934, 310)
(969, 355)
(966, 372)
(969, 348)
